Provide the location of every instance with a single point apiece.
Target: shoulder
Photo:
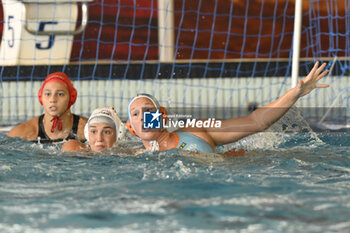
(74, 145)
(82, 122)
(27, 130)
(201, 133)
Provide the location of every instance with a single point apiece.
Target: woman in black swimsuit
(57, 124)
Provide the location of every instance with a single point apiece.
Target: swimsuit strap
(41, 132)
(74, 131)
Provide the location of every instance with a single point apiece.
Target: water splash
(154, 146)
(285, 129)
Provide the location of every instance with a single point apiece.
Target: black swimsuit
(43, 138)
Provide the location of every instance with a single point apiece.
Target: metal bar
(166, 30)
(296, 41)
(60, 32)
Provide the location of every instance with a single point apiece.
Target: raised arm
(262, 118)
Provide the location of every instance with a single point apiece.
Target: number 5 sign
(40, 32)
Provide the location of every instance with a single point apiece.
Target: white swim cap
(142, 95)
(109, 116)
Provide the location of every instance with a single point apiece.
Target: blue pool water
(300, 185)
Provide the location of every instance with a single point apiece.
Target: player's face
(101, 136)
(136, 117)
(55, 98)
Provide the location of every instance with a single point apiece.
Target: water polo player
(103, 129)
(231, 130)
(57, 124)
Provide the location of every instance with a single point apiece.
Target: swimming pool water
(301, 185)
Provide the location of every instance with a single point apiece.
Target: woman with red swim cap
(56, 95)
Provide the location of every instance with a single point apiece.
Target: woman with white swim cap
(231, 130)
(103, 129)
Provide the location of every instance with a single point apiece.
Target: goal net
(187, 53)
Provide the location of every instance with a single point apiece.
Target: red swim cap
(61, 78)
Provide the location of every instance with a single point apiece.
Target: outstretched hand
(310, 81)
